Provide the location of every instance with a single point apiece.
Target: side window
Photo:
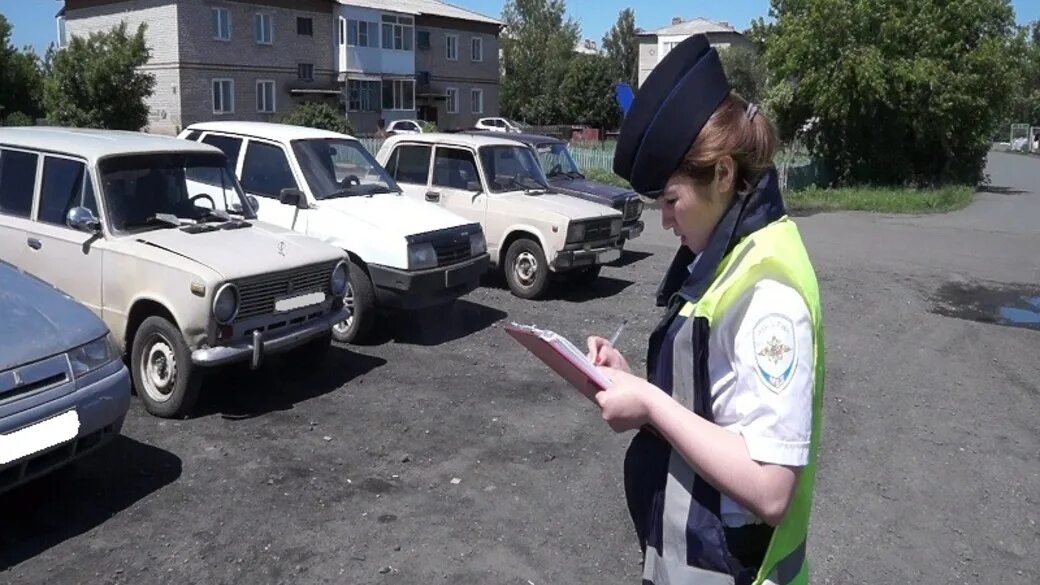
(410, 164)
(66, 184)
(193, 135)
(266, 171)
(17, 182)
(230, 146)
(454, 168)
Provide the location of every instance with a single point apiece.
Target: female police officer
(719, 478)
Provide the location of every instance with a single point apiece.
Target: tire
(310, 354)
(527, 272)
(165, 378)
(585, 276)
(361, 299)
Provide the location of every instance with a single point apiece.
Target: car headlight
(477, 243)
(91, 356)
(615, 227)
(421, 256)
(225, 304)
(639, 207)
(575, 233)
(339, 279)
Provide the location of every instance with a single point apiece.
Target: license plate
(609, 256)
(38, 437)
(298, 302)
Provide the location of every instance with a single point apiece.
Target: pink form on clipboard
(561, 356)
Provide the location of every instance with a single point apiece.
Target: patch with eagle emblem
(775, 351)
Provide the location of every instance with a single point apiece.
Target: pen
(617, 334)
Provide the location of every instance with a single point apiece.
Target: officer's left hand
(626, 403)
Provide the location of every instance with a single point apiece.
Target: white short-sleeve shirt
(761, 366)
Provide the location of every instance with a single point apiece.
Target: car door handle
(433, 196)
(34, 243)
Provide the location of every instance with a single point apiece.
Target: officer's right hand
(601, 353)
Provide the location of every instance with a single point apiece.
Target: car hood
(393, 214)
(39, 321)
(565, 205)
(591, 189)
(237, 253)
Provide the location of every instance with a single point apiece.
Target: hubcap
(159, 369)
(525, 268)
(348, 301)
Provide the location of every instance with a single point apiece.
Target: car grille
(629, 208)
(257, 294)
(30, 379)
(452, 246)
(597, 230)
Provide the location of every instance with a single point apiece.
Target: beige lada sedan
(532, 231)
(185, 281)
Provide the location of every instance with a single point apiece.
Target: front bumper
(253, 350)
(571, 259)
(417, 289)
(632, 230)
(100, 404)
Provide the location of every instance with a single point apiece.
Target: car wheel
(165, 377)
(526, 270)
(361, 300)
(585, 276)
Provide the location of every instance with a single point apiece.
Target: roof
(460, 139)
(96, 144)
(694, 26)
(269, 130)
(423, 8)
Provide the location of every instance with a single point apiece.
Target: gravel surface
(444, 454)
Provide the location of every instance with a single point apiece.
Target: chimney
(676, 20)
(590, 44)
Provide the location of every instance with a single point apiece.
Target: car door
(409, 165)
(69, 259)
(264, 171)
(455, 183)
(18, 172)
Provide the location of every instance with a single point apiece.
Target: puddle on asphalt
(1014, 306)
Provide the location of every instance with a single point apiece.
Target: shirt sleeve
(765, 391)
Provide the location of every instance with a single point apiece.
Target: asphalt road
(445, 455)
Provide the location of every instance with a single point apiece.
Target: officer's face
(692, 208)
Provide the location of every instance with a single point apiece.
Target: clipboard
(561, 356)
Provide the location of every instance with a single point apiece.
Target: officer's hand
(602, 353)
(626, 403)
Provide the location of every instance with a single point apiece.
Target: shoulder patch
(775, 351)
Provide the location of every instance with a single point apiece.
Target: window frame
(476, 56)
(473, 103)
(233, 164)
(274, 100)
(302, 19)
(448, 42)
(224, 109)
(258, 28)
(360, 101)
(397, 25)
(342, 28)
(394, 95)
(300, 68)
(452, 94)
(216, 11)
(88, 179)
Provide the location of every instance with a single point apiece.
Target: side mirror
(84, 220)
(294, 197)
(474, 186)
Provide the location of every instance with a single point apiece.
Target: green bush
(427, 126)
(318, 115)
(19, 119)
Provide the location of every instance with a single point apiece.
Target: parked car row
(241, 241)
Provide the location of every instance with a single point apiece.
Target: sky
(33, 20)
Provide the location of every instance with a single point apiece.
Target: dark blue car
(64, 390)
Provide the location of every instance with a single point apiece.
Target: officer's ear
(725, 175)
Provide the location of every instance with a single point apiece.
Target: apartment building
(654, 45)
(221, 59)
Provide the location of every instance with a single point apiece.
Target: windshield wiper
(214, 215)
(527, 186)
(159, 219)
(359, 190)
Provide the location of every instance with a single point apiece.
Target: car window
(230, 146)
(266, 170)
(17, 182)
(454, 168)
(66, 184)
(410, 164)
(193, 135)
(336, 167)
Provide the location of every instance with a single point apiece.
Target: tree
(587, 92)
(318, 115)
(21, 80)
(1025, 108)
(537, 46)
(622, 47)
(97, 82)
(746, 71)
(896, 92)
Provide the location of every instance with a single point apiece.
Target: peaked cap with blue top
(669, 111)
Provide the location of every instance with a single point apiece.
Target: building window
(453, 99)
(305, 71)
(305, 26)
(477, 49)
(361, 33)
(398, 32)
(399, 94)
(264, 28)
(362, 96)
(265, 96)
(477, 97)
(451, 47)
(223, 96)
(422, 40)
(221, 24)
(63, 38)
(342, 31)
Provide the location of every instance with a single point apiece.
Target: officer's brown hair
(750, 140)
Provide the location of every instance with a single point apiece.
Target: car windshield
(156, 191)
(512, 168)
(557, 162)
(336, 167)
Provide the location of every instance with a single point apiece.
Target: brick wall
(463, 74)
